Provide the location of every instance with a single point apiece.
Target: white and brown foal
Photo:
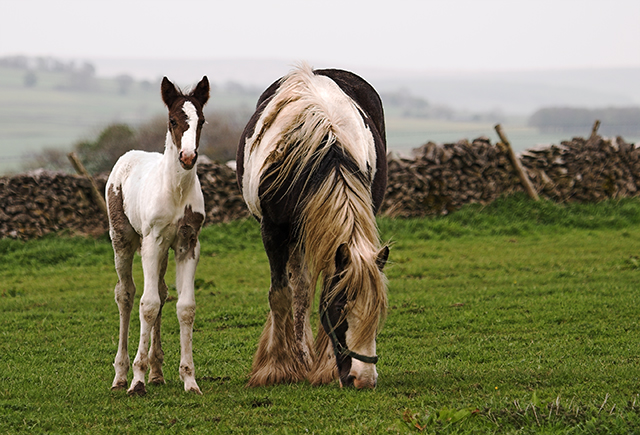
(155, 203)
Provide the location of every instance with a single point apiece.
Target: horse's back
(360, 91)
(369, 101)
(369, 104)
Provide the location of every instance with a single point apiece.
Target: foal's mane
(339, 209)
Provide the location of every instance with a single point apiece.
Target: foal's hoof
(137, 390)
(192, 387)
(195, 390)
(117, 386)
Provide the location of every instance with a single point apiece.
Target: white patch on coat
(305, 89)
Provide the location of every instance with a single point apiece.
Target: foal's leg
(187, 256)
(277, 359)
(125, 291)
(152, 259)
(156, 355)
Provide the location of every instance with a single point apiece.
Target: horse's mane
(314, 117)
(341, 212)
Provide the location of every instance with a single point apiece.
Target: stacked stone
(439, 179)
(585, 170)
(442, 178)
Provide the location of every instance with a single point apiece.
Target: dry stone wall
(41, 202)
(442, 178)
(439, 179)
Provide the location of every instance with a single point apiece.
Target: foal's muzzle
(188, 160)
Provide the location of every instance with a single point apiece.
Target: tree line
(614, 120)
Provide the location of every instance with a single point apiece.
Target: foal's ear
(169, 92)
(343, 257)
(201, 92)
(383, 256)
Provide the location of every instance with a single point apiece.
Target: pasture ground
(517, 317)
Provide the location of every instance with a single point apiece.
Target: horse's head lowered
(350, 316)
(186, 118)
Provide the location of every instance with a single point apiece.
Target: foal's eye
(173, 122)
(201, 122)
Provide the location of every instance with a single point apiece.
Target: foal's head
(186, 118)
(352, 304)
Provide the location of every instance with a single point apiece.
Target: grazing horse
(155, 203)
(312, 169)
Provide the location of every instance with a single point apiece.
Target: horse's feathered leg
(153, 255)
(300, 283)
(156, 354)
(324, 368)
(276, 360)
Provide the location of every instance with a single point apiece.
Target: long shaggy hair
(319, 131)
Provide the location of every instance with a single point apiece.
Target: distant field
(44, 116)
(47, 116)
(404, 134)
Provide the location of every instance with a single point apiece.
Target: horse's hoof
(117, 386)
(159, 380)
(137, 390)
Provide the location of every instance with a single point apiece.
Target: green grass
(518, 317)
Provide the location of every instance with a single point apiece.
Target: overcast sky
(433, 35)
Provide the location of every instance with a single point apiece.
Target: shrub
(219, 141)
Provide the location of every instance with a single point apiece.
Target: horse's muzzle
(360, 384)
(188, 161)
(363, 384)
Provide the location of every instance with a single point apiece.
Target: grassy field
(518, 317)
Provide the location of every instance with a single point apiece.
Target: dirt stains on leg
(187, 238)
(125, 243)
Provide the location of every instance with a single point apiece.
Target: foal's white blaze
(188, 142)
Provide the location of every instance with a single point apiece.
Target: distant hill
(521, 93)
(52, 103)
(510, 92)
